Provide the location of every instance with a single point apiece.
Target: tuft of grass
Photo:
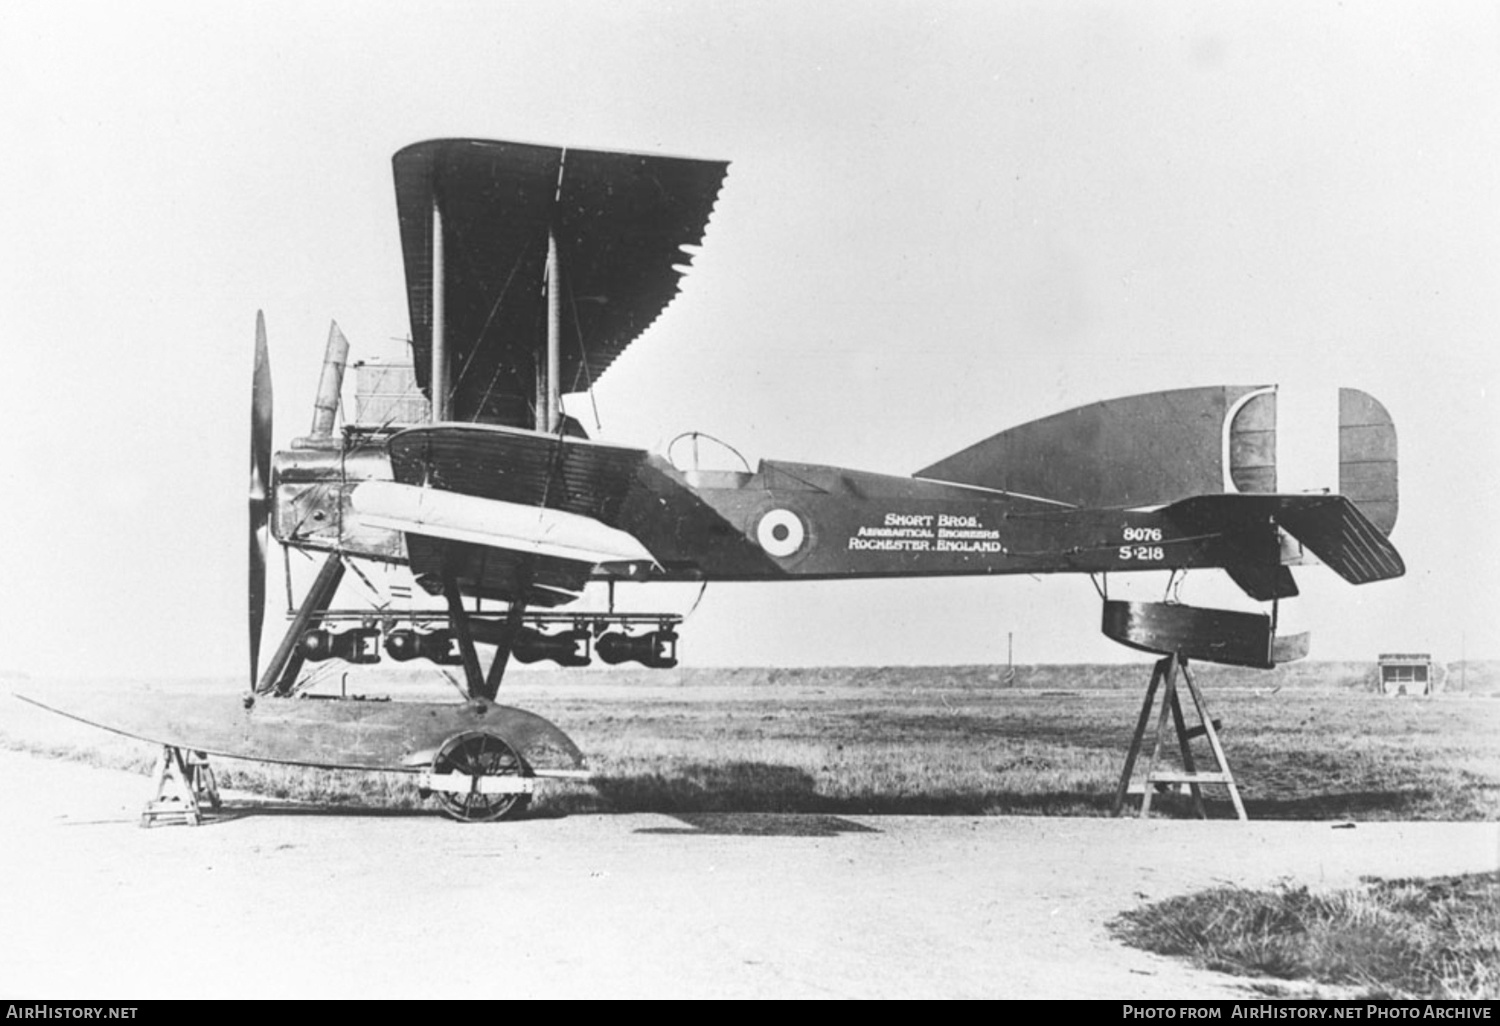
(1402, 939)
(354, 789)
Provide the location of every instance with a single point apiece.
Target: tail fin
(1163, 447)
(1142, 450)
(1367, 458)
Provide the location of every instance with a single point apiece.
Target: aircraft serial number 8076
(529, 270)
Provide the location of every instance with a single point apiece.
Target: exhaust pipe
(326, 406)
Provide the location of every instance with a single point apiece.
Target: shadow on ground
(1342, 805)
(757, 800)
(748, 787)
(760, 824)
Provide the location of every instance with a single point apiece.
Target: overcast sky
(940, 220)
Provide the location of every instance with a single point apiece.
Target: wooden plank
(1213, 741)
(1199, 777)
(1187, 754)
(1140, 732)
(1170, 666)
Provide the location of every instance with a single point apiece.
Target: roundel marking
(781, 532)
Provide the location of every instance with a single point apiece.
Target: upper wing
(620, 219)
(508, 513)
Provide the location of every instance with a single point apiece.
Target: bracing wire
(463, 691)
(702, 590)
(381, 605)
(583, 353)
(489, 389)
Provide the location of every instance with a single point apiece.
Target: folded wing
(621, 221)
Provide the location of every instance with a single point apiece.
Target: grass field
(1310, 741)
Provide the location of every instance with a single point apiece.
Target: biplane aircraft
(529, 270)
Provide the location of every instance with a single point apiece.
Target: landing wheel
(477, 777)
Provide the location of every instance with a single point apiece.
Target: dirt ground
(297, 902)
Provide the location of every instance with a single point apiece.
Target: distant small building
(1406, 673)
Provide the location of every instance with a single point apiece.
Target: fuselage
(791, 520)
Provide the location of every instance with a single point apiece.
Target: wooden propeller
(260, 476)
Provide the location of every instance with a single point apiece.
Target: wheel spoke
(478, 754)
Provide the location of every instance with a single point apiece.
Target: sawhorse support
(184, 785)
(1166, 670)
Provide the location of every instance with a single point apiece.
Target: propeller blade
(260, 476)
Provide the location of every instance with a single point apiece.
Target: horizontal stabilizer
(1330, 526)
(532, 530)
(1335, 531)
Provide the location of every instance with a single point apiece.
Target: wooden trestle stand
(184, 786)
(1166, 670)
